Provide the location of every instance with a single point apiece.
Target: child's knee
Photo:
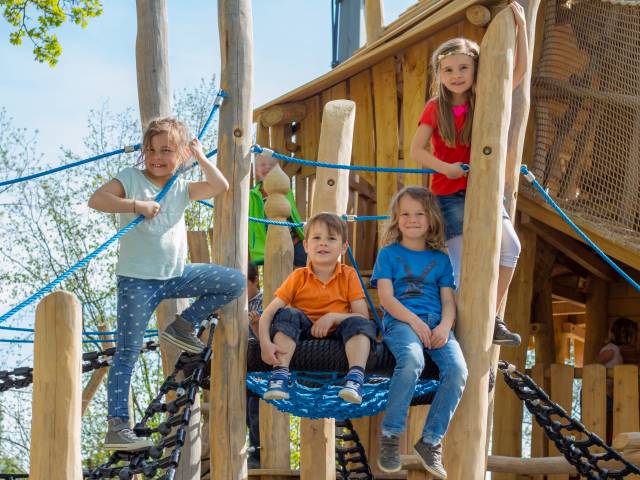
(411, 359)
(510, 246)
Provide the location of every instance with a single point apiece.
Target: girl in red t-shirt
(446, 123)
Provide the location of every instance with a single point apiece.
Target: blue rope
(112, 340)
(366, 292)
(47, 288)
(532, 179)
(120, 151)
(268, 151)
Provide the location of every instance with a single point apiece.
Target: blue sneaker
(278, 388)
(351, 392)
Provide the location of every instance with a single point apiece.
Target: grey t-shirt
(156, 248)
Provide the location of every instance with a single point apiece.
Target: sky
(291, 41)
(292, 45)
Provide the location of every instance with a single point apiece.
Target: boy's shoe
(389, 456)
(278, 388)
(121, 437)
(431, 458)
(182, 334)
(351, 392)
(502, 335)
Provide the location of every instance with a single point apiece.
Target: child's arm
(522, 50)
(321, 327)
(604, 356)
(111, 198)
(440, 334)
(420, 154)
(398, 311)
(268, 349)
(215, 182)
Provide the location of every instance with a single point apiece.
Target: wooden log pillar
(278, 264)
(331, 194)
(230, 243)
(373, 19)
(596, 329)
(57, 389)
(507, 419)
(465, 450)
(152, 60)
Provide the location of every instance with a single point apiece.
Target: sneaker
(431, 458)
(121, 437)
(502, 335)
(278, 388)
(351, 392)
(181, 334)
(389, 456)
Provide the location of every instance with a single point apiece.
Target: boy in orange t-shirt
(323, 299)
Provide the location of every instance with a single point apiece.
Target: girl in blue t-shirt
(151, 261)
(415, 285)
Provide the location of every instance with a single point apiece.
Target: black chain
(23, 376)
(351, 461)
(575, 451)
(13, 476)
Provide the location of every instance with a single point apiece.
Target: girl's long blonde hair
(435, 231)
(177, 131)
(446, 124)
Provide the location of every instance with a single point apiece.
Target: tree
(49, 227)
(35, 19)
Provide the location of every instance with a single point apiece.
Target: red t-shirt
(440, 184)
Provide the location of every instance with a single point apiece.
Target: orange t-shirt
(306, 292)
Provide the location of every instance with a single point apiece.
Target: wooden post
(465, 451)
(562, 394)
(278, 263)
(539, 444)
(152, 60)
(373, 19)
(96, 377)
(230, 243)
(596, 329)
(625, 399)
(281, 114)
(57, 384)
(317, 444)
(507, 420)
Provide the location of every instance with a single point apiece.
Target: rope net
(587, 112)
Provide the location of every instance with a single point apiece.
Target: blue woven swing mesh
(316, 395)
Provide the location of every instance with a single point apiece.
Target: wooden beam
(230, 243)
(284, 113)
(573, 249)
(596, 318)
(57, 384)
(545, 214)
(568, 294)
(478, 15)
(373, 19)
(465, 454)
(567, 308)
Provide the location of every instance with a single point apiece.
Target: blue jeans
(408, 352)
(213, 285)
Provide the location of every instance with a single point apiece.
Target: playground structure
(363, 113)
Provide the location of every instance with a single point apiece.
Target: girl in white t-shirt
(151, 262)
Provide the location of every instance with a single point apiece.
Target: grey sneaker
(502, 335)
(389, 457)
(431, 458)
(182, 334)
(121, 437)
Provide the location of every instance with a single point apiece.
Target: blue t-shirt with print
(416, 276)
